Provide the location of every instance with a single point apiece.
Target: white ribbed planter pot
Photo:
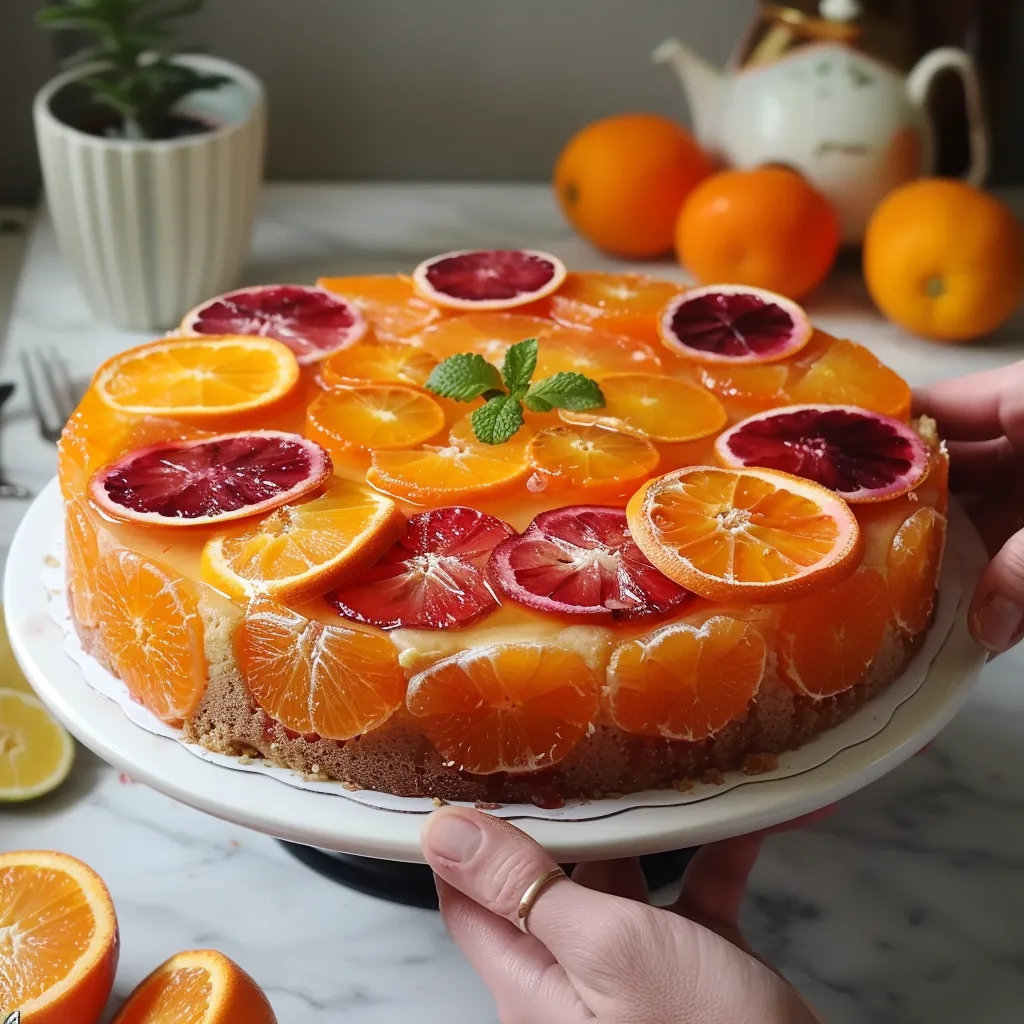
(153, 228)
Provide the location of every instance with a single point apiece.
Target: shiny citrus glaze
(520, 689)
(60, 948)
(198, 987)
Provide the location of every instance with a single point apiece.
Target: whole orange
(767, 228)
(944, 260)
(621, 182)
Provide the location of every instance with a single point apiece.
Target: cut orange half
(373, 417)
(197, 377)
(198, 987)
(747, 535)
(658, 408)
(300, 551)
(383, 362)
(506, 708)
(388, 301)
(591, 457)
(60, 939)
(313, 678)
(684, 681)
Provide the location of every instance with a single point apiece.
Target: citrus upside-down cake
(497, 532)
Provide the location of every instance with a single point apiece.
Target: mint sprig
(467, 376)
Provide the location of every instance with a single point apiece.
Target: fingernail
(453, 837)
(998, 623)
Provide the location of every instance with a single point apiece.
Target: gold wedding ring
(531, 895)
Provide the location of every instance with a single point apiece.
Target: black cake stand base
(412, 885)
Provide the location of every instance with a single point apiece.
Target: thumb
(997, 612)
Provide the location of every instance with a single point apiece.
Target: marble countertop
(906, 905)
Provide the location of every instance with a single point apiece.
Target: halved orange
(914, 563)
(314, 678)
(59, 946)
(302, 550)
(593, 353)
(152, 633)
(658, 408)
(685, 681)
(198, 987)
(846, 373)
(591, 457)
(82, 557)
(827, 642)
(462, 468)
(506, 708)
(486, 334)
(627, 304)
(382, 362)
(373, 417)
(750, 535)
(388, 301)
(197, 377)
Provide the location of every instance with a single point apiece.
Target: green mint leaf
(464, 377)
(520, 362)
(536, 404)
(498, 420)
(565, 391)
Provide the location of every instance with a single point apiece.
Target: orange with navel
(621, 182)
(944, 260)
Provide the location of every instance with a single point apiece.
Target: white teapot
(853, 125)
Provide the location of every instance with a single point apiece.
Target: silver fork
(51, 391)
(9, 489)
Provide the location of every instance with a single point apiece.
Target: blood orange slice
(210, 480)
(506, 708)
(313, 323)
(686, 681)
(482, 279)
(432, 577)
(734, 324)
(582, 560)
(750, 535)
(860, 455)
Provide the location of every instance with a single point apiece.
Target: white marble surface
(907, 905)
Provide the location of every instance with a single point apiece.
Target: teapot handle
(919, 84)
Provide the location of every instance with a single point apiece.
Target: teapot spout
(702, 83)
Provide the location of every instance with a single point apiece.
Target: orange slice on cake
(388, 301)
(187, 378)
(746, 535)
(487, 334)
(373, 417)
(593, 353)
(382, 362)
(313, 678)
(60, 939)
(300, 551)
(591, 457)
(659, 408)
(685, 681)
(197, 987)
(506, 708)
(913, 565)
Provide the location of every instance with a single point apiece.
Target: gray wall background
(410, 89)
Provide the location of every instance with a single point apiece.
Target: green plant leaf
(535, 404)
(464, 377)
(520, 362)
(565, 391)
(498, 420)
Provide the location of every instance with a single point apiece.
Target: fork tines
(51, 391)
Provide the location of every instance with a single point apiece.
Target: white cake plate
(332, 823)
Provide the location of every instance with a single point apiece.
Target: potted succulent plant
(152, 161)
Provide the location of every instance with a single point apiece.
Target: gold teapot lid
(782, 28)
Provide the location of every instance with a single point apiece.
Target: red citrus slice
(582, 560)
(432, 577)
(211, 480)
(482, 279)
(734, 324)
(312, 322)
(862, 456)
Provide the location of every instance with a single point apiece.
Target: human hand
(981, 418)
(596, 950)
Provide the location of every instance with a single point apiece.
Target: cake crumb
(244, 759)
(438, 801)
(350, 786)
(52, 562)
(712, 777)
(683, 785)
(758, 764)
(487, 805)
